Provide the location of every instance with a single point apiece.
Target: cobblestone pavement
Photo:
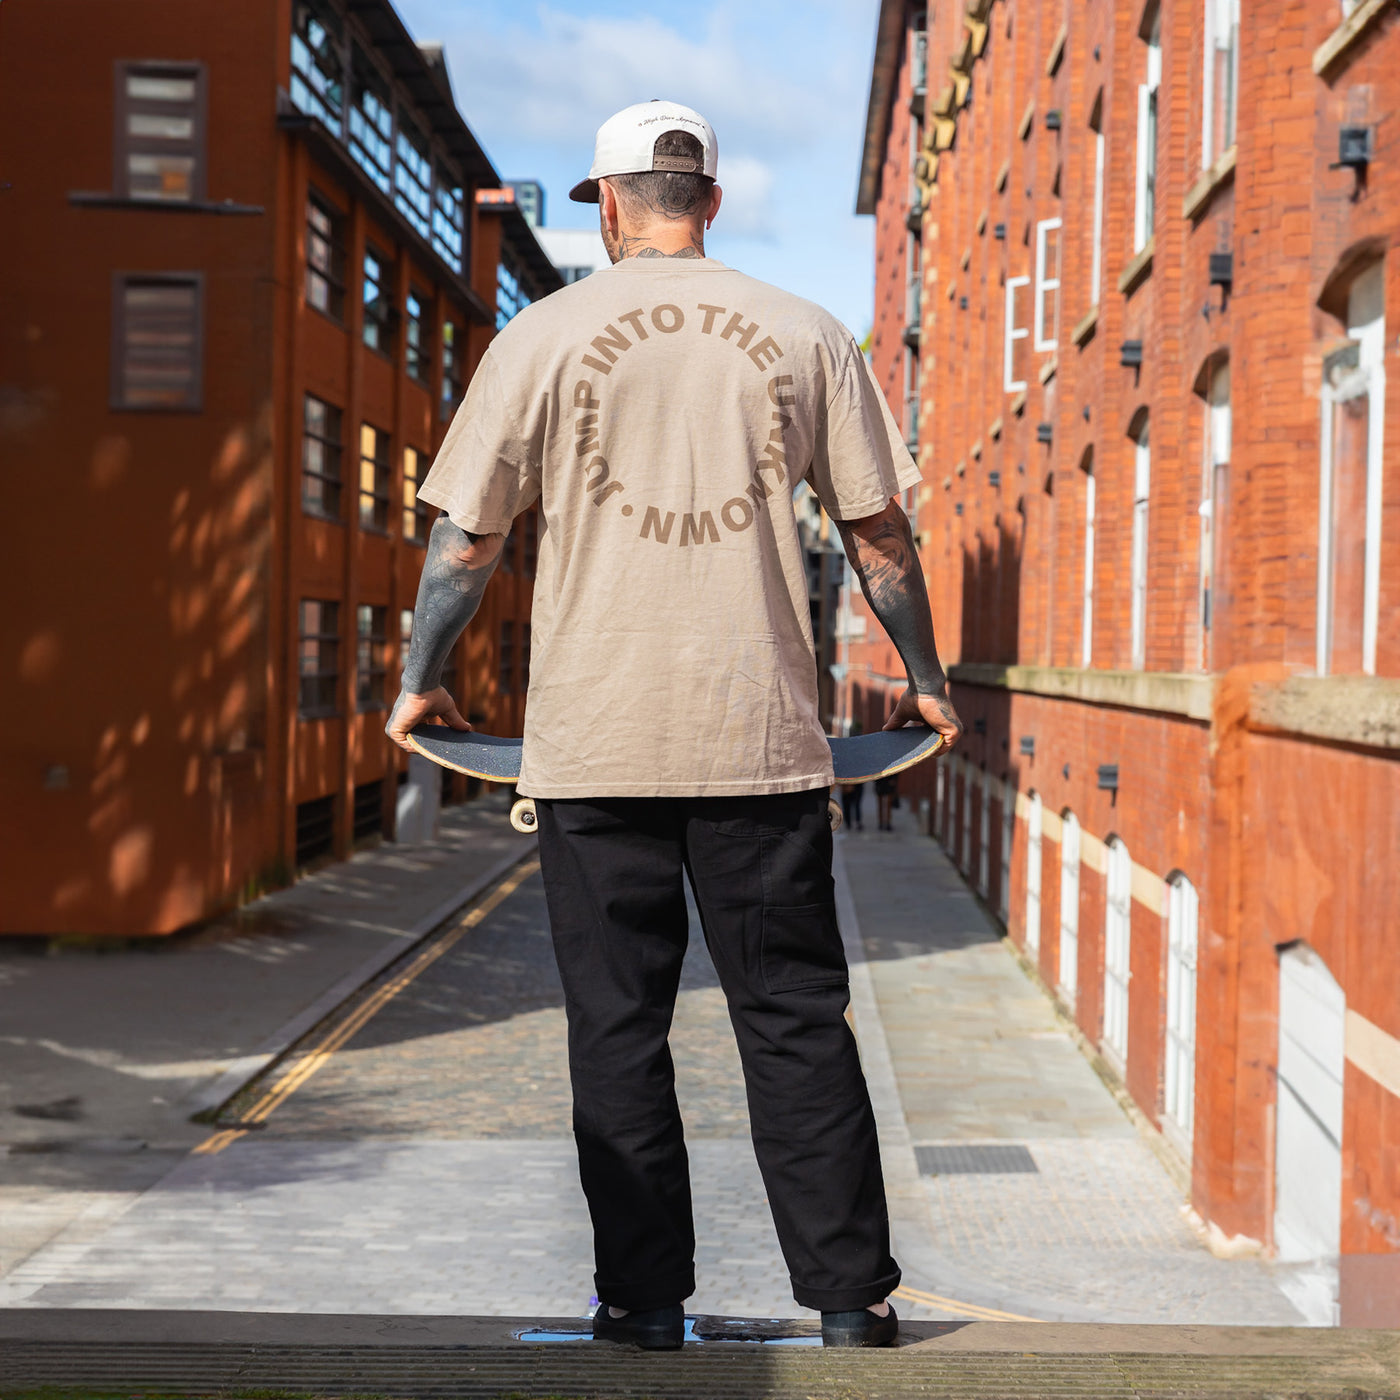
(427, 1166)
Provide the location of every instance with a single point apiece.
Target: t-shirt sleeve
(488, 468)
(859, 459)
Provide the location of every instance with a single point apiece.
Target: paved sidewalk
(107, 1054)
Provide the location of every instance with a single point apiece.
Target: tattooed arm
(882, 554)
(455, 575)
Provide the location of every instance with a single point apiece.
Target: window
(1034, 820)
(417, 515)
(1008, 831)
(1086, 626)
(371, 122)
(318, 63)
(158, 342)
(376, 300)
(1118, 925)
(1069, 906)
(160, 132)
(374, 479)
(1221, 79)
(524, 657)
(1047, 284)
(367, 816)
(1349, 514)
(320, 459)
(451, 372)
(1014, 373)
(1182, 911)
(405, 636)
(371, 655)
(1096, 233)
(447, 219)
(984, 839)
(315, 835)
(511, 296)
(506, 659)
(417, 355)
(966, 861)
(1146, 205)
(413, 176)
(1142, 485)
(1215, 466)
(325, 257)
(529, 543)
(318, 658)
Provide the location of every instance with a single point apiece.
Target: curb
(204, 1104)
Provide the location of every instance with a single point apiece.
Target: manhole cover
(969, 1158)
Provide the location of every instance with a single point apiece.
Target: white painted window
(1118, 927)
(1221, 79)
(1096, 265)
(1214, 470)
(1087, 622)
(1008, 831)
(966, 861)
(1142, 488)
(984, 840)
(1047, 284)
(1311, 1075)
(1145, 205)
(1033, 835)
(1182, 911)
(1014, 371)
(1349, 510)
(1069, 906)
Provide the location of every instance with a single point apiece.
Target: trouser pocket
(802, 948)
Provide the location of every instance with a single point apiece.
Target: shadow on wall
(148, 662)
(991, 594)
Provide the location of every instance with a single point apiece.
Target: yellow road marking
(971, 1310)
(305, 1065)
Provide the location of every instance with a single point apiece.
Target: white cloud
(747, 210)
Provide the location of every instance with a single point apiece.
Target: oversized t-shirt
(663, 411)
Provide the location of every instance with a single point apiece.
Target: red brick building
(1140, 264)
(246, 279)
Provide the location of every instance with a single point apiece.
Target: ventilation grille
(969, 1159)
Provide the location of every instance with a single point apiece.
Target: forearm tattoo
(454, 577)
(884, 559)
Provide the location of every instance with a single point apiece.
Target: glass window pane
(146, 87)
(161, 127)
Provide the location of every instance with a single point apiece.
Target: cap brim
(585, 192)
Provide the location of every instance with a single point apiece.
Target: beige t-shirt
(663, 411)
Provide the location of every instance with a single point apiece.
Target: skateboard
(858, 758)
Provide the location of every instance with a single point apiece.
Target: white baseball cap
(626, 145)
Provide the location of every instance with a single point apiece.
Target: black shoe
(859, 1329)
(654, 1329)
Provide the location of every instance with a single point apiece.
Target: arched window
(1215, 467)
(1118, 926)
(1069, 906)
(1086, 465)
(1145, 206)
(1349, 506)
(1033, 835)
(1182, 911)
(1142, 488)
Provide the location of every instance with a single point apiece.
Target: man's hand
(411, 710)
(934, 710)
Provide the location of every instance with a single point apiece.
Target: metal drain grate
(974, 1159)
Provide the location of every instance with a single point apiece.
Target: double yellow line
(316, 1054)
(970, 1310)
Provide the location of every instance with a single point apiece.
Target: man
(662, 411)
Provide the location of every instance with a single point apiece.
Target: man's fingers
(453, 717)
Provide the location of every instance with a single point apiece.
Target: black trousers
(760, 868)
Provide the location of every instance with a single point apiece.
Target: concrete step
(106, 1351)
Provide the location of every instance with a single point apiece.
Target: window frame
(450, 389)
(1070, 857)
(1035, 857)
(375, 646)
(363, 129)
(414, 509)
(123, 145)
(122, 281)
(1096, 261)
(1145, 184)
(318, 107)
(1179, 1049)
(333, 278)
(375, 521)
(1137, 569)
(1118, 945)
(1012, 335)
(1209, 151)
(332, 638)
(411, 185)
(383, 317)
(1217, 423)
(337, 481)
(1086, 622)
(1045, 285)
(417, 342)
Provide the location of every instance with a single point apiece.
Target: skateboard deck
(858, 758)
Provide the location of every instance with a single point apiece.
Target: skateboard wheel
(833, 813)
(522, 816)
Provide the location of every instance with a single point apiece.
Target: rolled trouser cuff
(641, 1295)
(845, 1299)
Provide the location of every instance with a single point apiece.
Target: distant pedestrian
(852, 795)
(662, 411)
(886, 799)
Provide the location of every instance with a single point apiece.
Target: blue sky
(784, 86)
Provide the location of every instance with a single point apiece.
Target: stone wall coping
(1347, 33)
(1162, 692)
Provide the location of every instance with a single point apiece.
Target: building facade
(1139, 263)
(247, 281)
